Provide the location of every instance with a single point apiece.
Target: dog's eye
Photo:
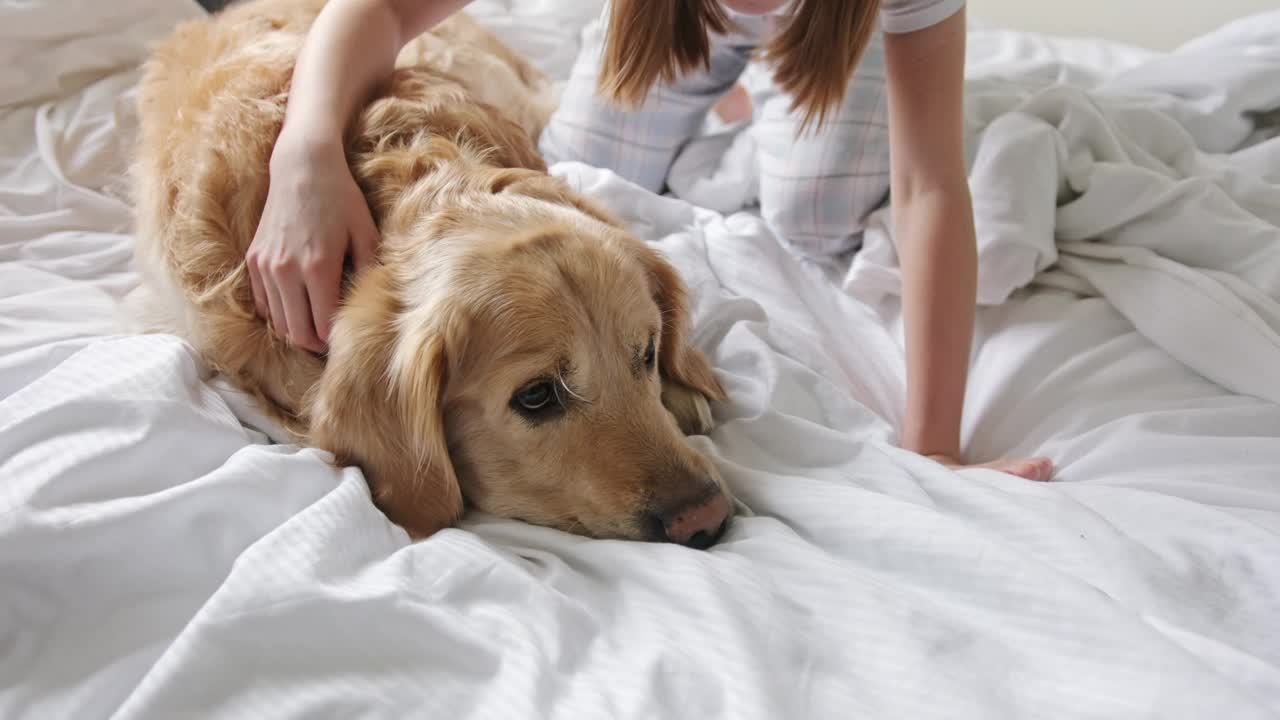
(538, 401)
(535, 397)
(650, 354)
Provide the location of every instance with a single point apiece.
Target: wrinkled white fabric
(1131, 190)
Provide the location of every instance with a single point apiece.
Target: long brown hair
(813, 55)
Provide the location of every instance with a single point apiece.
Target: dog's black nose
(697, 525)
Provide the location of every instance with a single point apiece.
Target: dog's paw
(690, 408)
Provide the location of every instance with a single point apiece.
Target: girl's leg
(817, 189)
(640, 144)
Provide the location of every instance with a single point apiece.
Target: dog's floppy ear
(677, 359)
(379, 406)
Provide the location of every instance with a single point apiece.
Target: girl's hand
(1036, 468)
(315, 215)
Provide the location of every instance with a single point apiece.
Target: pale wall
(1157, 24)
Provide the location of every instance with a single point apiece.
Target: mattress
(162, 557)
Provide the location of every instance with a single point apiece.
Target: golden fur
(491, 275)
(651, 40)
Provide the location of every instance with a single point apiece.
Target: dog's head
(519, 358)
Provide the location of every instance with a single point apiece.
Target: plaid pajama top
(816, 189)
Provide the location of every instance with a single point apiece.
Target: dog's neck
(409, 186)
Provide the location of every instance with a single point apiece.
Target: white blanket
(1144, 190)
(158, 559)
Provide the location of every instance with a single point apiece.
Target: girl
(867, 104)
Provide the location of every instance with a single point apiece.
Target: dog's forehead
(564, 266)
(560, 282)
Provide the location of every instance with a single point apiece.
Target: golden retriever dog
(513, 348)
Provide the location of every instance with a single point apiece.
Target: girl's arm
(935, 238)
(314, 213)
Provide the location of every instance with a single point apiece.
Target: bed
(162, 557)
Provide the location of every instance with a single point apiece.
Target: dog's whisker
(561, 384)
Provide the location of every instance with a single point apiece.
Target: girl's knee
(814, 229)
(818, 197)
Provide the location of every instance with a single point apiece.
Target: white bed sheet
(158, 558)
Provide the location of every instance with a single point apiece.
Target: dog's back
(211, 105)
